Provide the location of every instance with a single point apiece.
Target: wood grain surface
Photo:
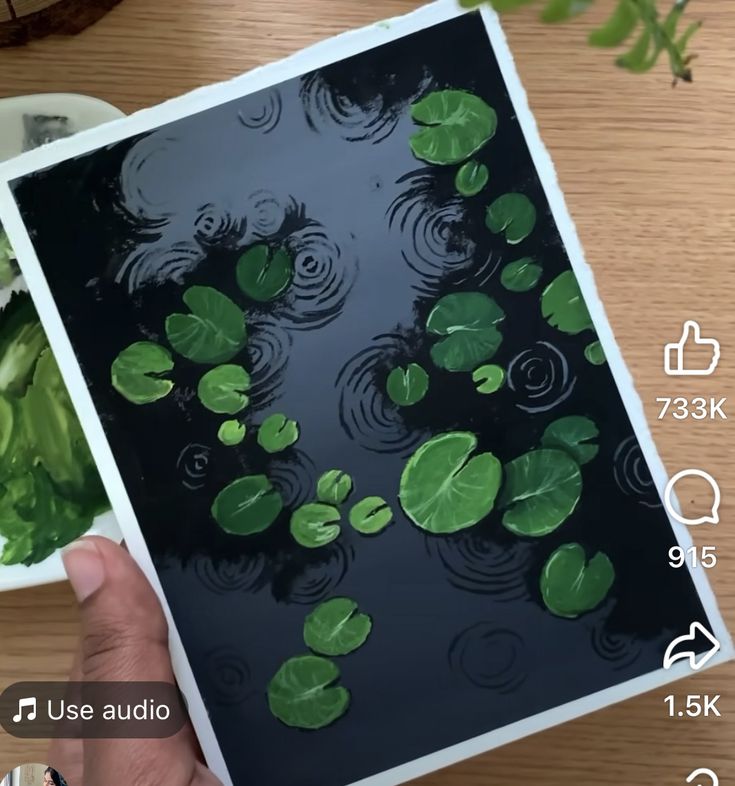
(649, 176)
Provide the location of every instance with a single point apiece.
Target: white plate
(80, 113)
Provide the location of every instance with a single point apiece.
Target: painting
(361, 408)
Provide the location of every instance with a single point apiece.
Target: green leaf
(231, 433)
(303, 695)
(214, 332)
(277, 433)
(563, 10)
(541, 490)
(468, 321)
(9, 269)
(570, 585)
(135, 372)
(457, 124)
(335, 628)
(513, 214)
(572, 434)
(636, 58)
(563, 306)
(313, 525)
(222, 389)
(247, 506)
(407, 386)
(618, 27)
(489, 378)
(371, 515)
(521, 275)
(471, 178)
(22, 340)
(443, 489)
(595, 354)
(508, 5)
(333, 487)
(264, 274)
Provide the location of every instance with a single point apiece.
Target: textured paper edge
(319, 56)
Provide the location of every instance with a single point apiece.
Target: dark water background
(462, 643)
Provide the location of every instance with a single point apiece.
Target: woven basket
(23, 20)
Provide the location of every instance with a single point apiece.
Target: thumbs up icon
(707, 351)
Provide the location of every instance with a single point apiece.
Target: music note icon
(24, 704)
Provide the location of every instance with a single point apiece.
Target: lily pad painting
(356, 397)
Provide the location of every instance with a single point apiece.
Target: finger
(125, 638)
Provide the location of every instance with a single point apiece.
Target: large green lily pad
(247, 506)
(571, 585)
(302, 694)
(468, 321)
(444, 488)
(136, 372)
(336, 628)
(541, 490)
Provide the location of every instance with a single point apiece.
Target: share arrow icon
(696, 659)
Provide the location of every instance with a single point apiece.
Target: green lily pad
(371, 515)
(513, 214)
(541, 490)
(489, 378)
(277, 433)
(595, 354)
(563, 306)
(570, 585)
(407, 386)
(264, 274)
(214, 332)
(468, 321)
(573, 434)
(302, 694)
(314, 525)
(444, 488)
(457, 124)
(247, 506)
(521, 275)
(333, 487)
(471, 178)
(231, 433)
(335, 628)
(135, 372)
(222, 389)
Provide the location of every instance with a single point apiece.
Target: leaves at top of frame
(572, 585)
(135, 372)
(444, 488)
(456, 125)
(468, 321)
(513, 214)
(563, 10)
(264, 274)
(563, 306)
(214, 332)
(619, 25)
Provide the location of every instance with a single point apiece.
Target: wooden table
(649, 175)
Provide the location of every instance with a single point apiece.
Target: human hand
(124, 639)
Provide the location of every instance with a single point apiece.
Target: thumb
(689, 333)
(124, 633)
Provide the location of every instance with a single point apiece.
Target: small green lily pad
(407, 386)
(314, 525)
(333, 487)
(595, 354)
(136, 371)
(513, 214)
(371, 515)
(247, 506)
(223, 389)
(521, 275)
(277, 433)
(489, 378)
(541, 490)
(471, 178)
(573, 434)
(563, 306)
(571, 585)
(303, 695)
(231, 433)
(264, 274)
(336, 628)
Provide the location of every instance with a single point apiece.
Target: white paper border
(315, 57)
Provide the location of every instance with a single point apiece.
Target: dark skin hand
(124, 638)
